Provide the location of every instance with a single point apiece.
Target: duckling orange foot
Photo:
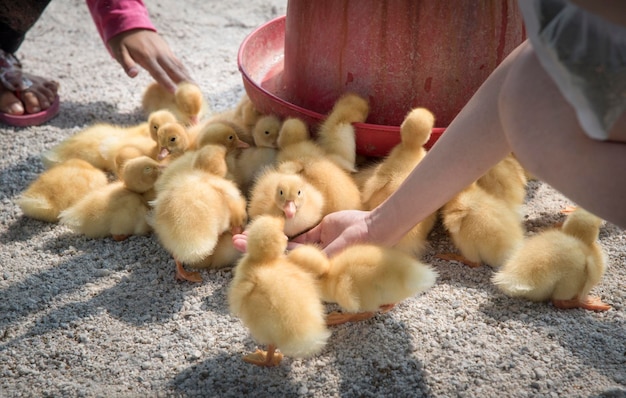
(589, 303)
(262, 358)
(183, 275)
(338, 318)
(119, 238)
(458, 258)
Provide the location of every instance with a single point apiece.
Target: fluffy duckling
(295, 143)
(276, 300)
(484, 228)
(561, 265)
(84, 145)
(210, 134)
(60, 187)
(224, 255)
(187, 103)
(265, 131)
(118, 209)
(507, 181)
(245, 164)
(246, 113)
(288, 196)
(172, 140)
(299, 154)
(193, 209)
(219, 133)
(338, 189)
(389, 174)
(336, 133)
(364, 278)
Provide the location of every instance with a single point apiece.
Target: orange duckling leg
(338, 318)
(263, 358)
(119, 238)
(588, 303)
(183, 275)
(458, 258)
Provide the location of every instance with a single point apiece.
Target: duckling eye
(173, 139)
(299, 193)
(281, 192)
(230, 137)
(267, 132)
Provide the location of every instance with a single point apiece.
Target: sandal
(11, 78)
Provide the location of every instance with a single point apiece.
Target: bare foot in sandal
(23, 93)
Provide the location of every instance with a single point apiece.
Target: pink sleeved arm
(116, 16)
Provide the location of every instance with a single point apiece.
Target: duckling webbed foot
(338, 318)
(588, 303)
(183, 275)
(119, 238)
(459, 258)
(267, 358)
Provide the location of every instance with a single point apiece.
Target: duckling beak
(289, 208)
(242, 144)
(163, 154)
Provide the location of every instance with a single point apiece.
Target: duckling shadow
(371, 358)
(228, 375)
(16, 178)
(376, 358)
(23, 229)
(75, 114)
(143, 287)
(597, 342)
(216, 301)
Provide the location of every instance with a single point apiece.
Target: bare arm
(472, 144)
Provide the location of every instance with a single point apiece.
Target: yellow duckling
(60, 187)
(194, 208)
(389, 174)
(336, 134)
(289, 196)
(561, 265)
(276, 300)
(364, 278)
(484, 228)
(118, 209)
(187, 103)
(506, 180)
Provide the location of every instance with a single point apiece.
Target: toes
(10, 104)
(33, 102)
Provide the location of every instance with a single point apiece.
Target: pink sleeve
(116, 16)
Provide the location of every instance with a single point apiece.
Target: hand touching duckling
(187, 103)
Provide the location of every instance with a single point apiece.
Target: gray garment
(586, 57)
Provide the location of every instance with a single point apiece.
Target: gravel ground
(90, 318)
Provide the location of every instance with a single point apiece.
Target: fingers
(240, 242)
(311, 236)
(128, 63)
